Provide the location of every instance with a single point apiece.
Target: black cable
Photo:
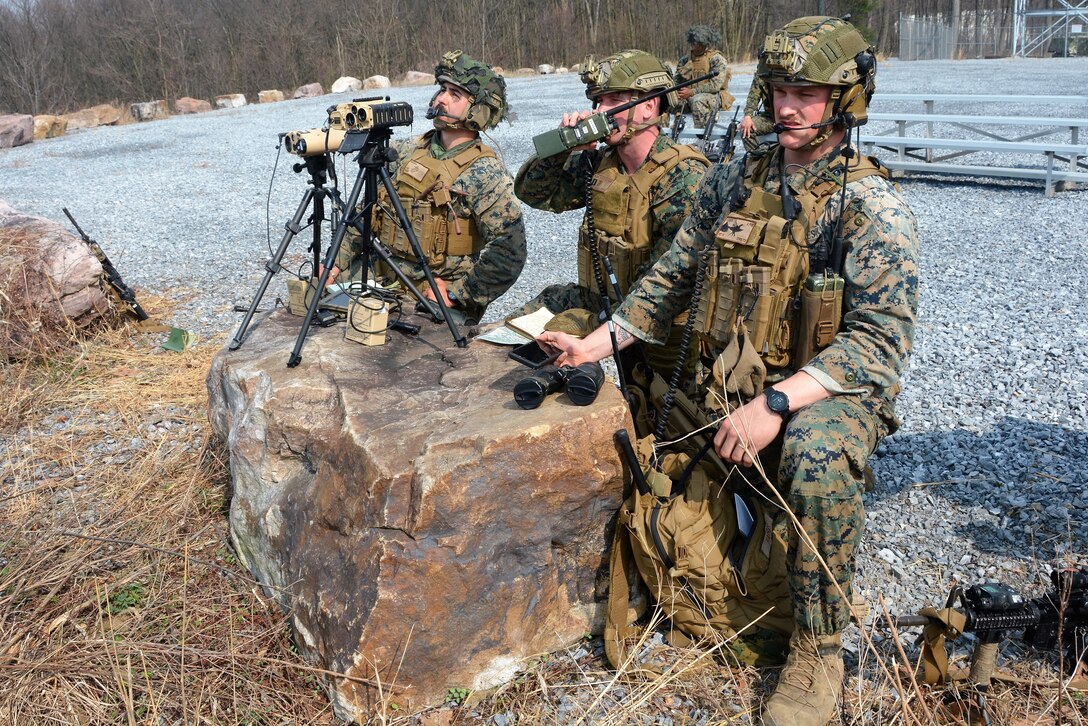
(268, 200)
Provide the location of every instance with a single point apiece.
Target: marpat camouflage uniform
(483, 192)
(707, 94)
(820, 457)
(763, 124)
(557, 184)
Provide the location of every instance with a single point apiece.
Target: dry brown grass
(121, 602)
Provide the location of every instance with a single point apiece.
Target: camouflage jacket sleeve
(720, 79)
(485, 192)
(880, 300)
(755, 95)
(665, 291)
(671, 200)
(555, 184)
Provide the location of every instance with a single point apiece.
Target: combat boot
(809, 686)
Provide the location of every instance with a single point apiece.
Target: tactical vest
(760, 260)
(621, 214)
(424, 186)
(700, 66)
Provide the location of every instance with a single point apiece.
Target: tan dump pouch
(821, 315)
(709, 579)
(625, 259)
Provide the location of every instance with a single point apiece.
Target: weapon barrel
(656, 94)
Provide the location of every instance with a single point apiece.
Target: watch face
(777, 401)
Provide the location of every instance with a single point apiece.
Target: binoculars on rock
(583, 383)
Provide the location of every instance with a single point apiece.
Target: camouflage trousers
(703, 106)
(662, 358)
(819, 466)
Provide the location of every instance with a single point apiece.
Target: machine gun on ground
(1055, 621)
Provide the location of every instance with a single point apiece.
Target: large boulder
(149, 110)
(545, 69)
(230, 100)
(50, 281)
(417, 78)
(270, 96)
(346, 84)
(88, 118)
(310, 90)
(376, 82)
(47, 126)
(187, 105)
(16, 130)
(423, 532)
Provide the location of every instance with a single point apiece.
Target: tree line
(60, 55)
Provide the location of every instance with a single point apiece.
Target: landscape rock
(191, 105)
(344, 84)
(149, 110)
(50, 280)
(270, 96)
(88, 118)
(49, 127)
(525, 72)
(230, 100)
(416, 78)
(375, 82)
(545, 69)
(423, 531)
(310, 90)
(16, 130)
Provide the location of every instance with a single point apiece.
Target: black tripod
(318, 167)
(374, 153)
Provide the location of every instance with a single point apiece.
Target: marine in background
(458, 196)
(707, 97)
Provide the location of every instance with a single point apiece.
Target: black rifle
(994, 611)
(113, 277)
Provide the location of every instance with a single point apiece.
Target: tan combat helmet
(487, 88)
(628, 70)
(827, 52)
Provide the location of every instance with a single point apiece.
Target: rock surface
(270, 96)
(149, 110)
(412, 78)
(424, 532)
(50, 280)
(345, 84)
(16, 130)
(48, 127)
(375, 82)
(310, 90)
(230, 100)
(88, 118)
(191, 105)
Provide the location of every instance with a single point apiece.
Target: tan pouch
(821, 315)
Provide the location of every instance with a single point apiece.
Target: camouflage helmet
(822, 51)
(487, 89)
(628, 70)
(704, 35)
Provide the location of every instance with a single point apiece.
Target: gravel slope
(985, 480)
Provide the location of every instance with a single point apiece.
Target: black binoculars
(583, 383)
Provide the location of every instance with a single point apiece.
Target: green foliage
(457, 695)
(129, 596)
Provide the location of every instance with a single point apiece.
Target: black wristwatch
(778, 402)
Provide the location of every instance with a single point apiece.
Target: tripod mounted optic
(358, 115)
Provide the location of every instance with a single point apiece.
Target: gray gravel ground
(986, 479)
